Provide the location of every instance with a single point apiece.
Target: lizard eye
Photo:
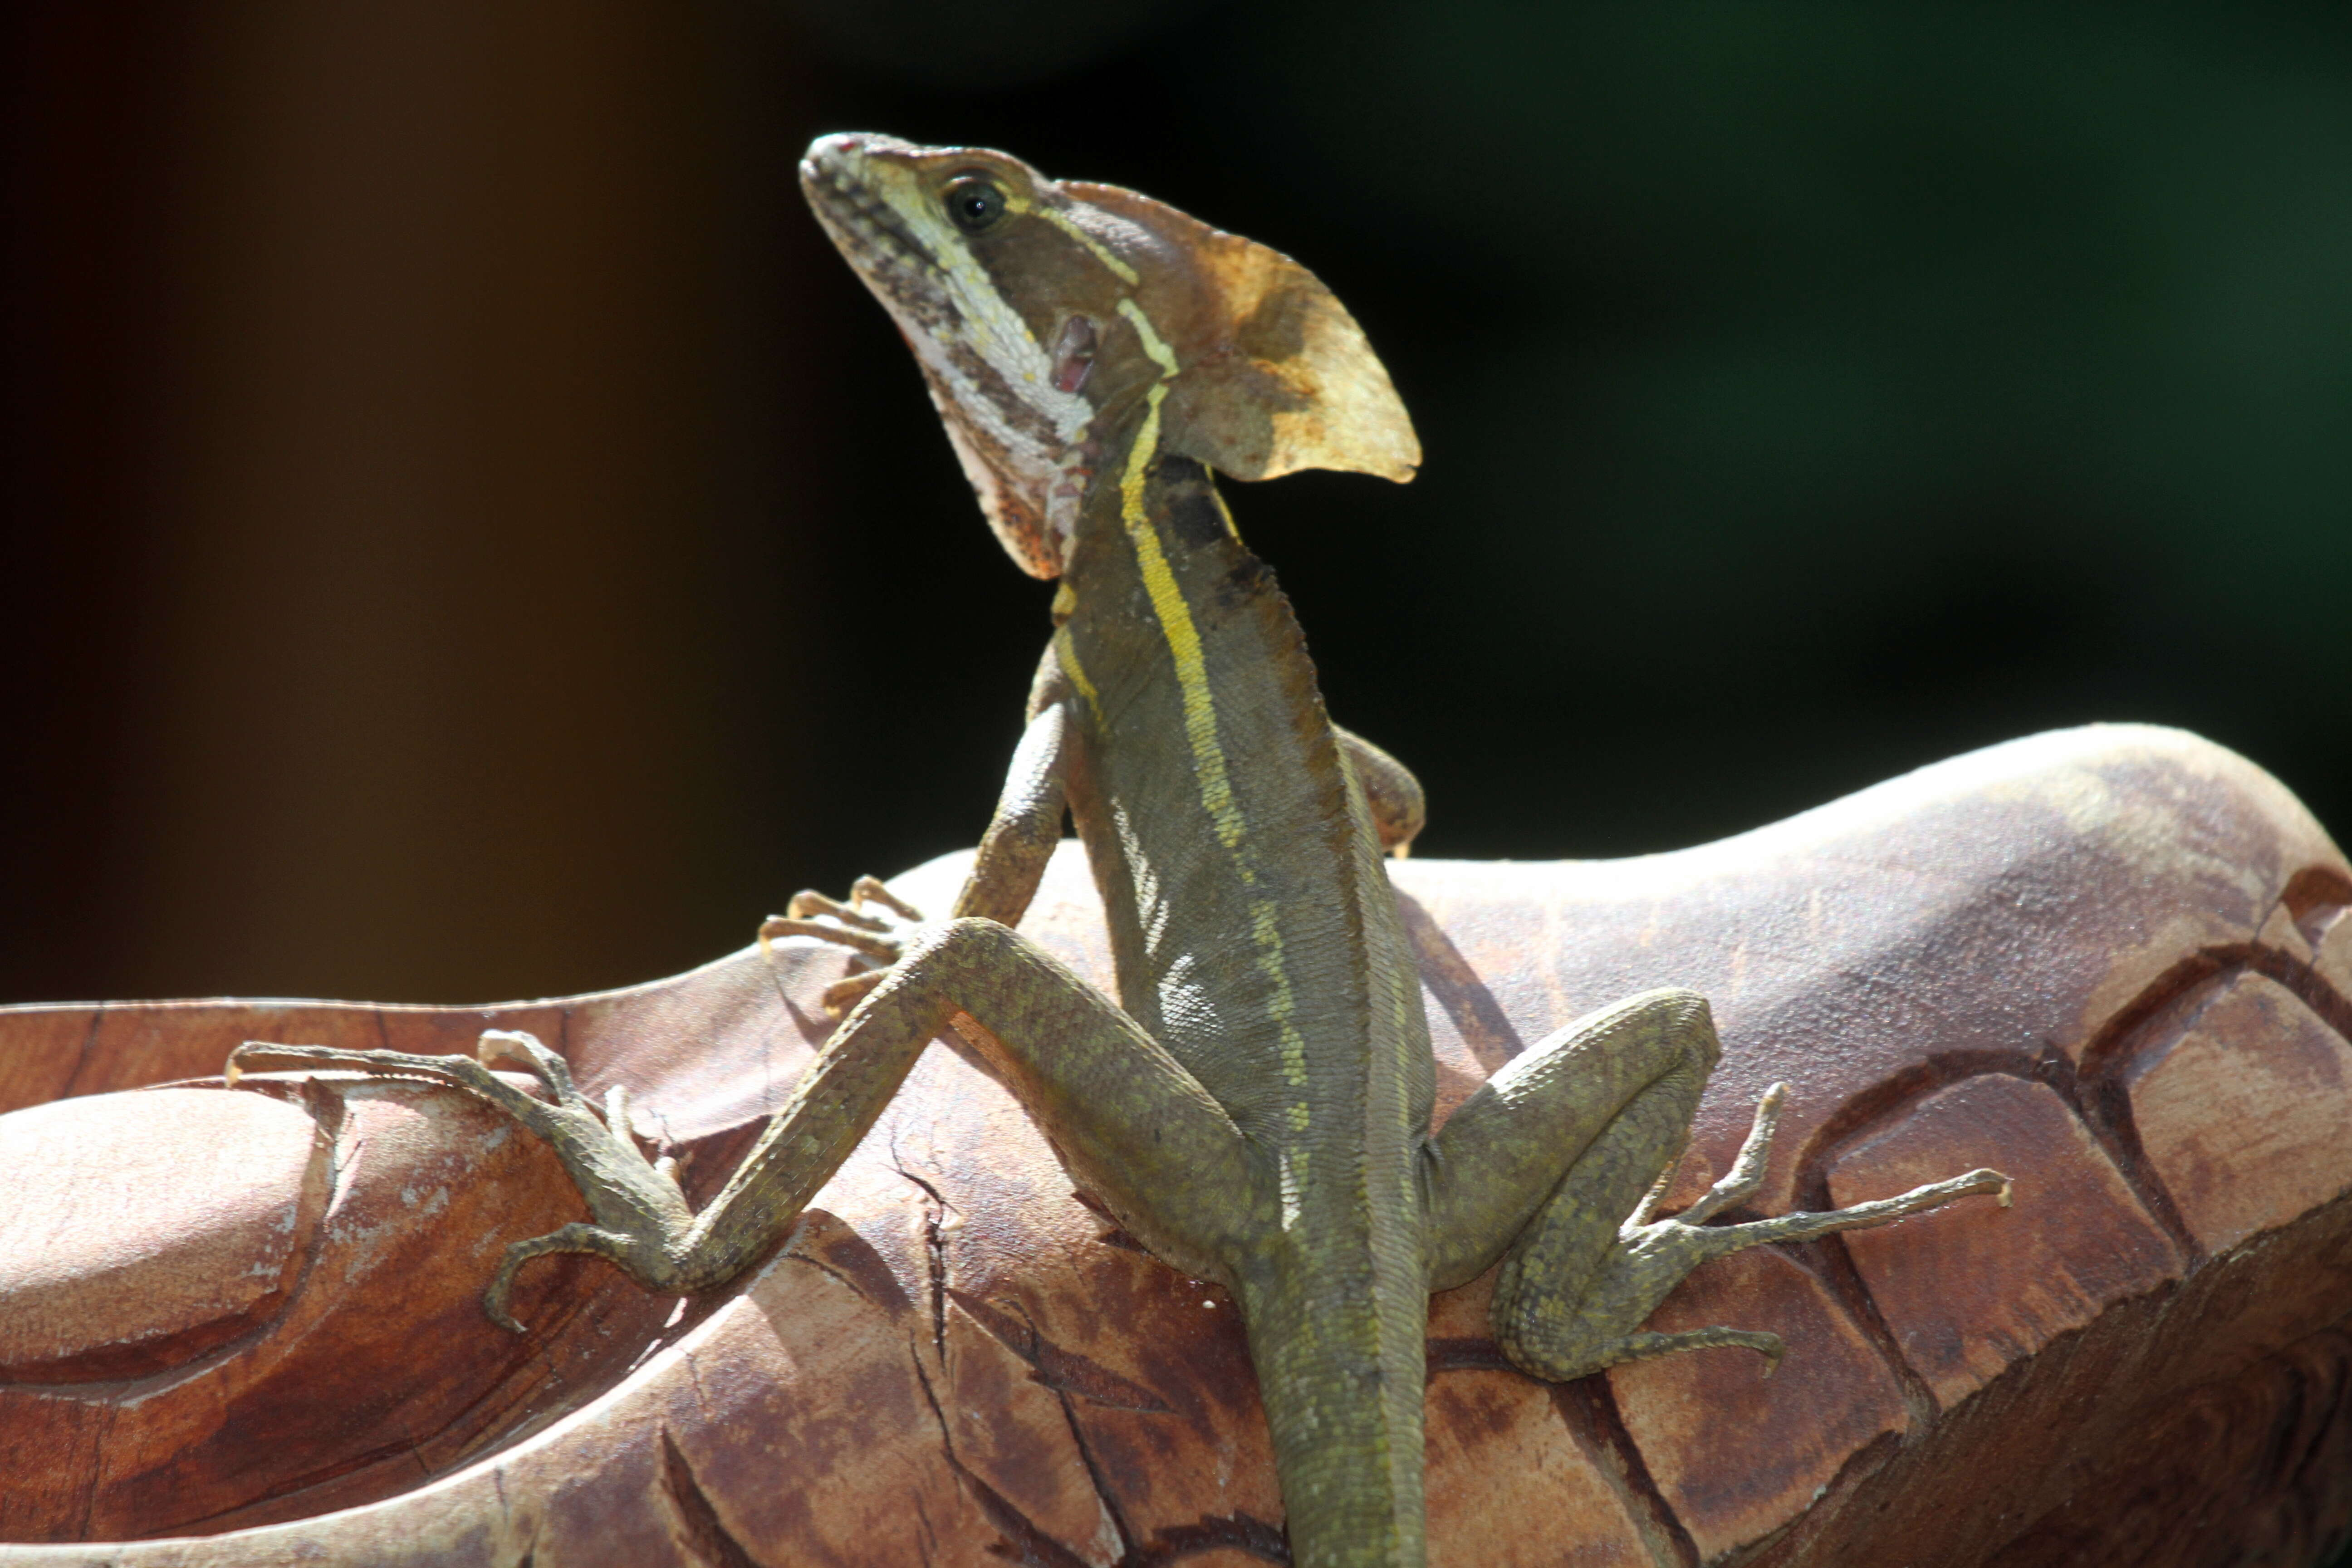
(974, 204)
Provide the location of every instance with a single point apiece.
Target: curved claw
(610, 1246)
(873, 890)
(883, 948)
(1746, 1177)
(843, 994)
(456, 1072)
(522, 1046)
(845, 924)
(808, 903)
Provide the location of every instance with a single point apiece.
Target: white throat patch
(1017, 434)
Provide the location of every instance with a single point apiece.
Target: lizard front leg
(636, 1203)
(878, 925)
(1556, 1163)
(641, 1221)
(1083, 1067)
(1088, 1072)
(1005, 869)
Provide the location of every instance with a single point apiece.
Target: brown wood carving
(2106, 961)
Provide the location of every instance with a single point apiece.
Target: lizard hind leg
(1559, 1335)
(1543, 1164)
(609, 1244)
(1746, 1177)
(1598, 1328)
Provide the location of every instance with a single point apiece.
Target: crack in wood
(1588, 1408)
(1106, 1495)
(1234, 1532)
(935, 1254)
(1827, 1258)
(81, 1056)
(2314, 899)
(926, 1535)
(1064, 1372)
(1023, 1540)
(703, 1534)
(1026, 1543)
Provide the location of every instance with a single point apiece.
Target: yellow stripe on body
(1183, 639)
(1265, 925)
(1066, 654)
(1183, 636)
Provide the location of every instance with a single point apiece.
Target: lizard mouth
(870, 234)
(1010, 405)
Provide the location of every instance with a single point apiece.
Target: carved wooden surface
(2106, 961)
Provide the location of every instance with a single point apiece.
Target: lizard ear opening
(1293, 385)
(1274, 376)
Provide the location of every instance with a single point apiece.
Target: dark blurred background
(467, 535)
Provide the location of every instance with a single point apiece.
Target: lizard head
(1044, 312)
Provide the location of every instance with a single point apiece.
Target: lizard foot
(642, 1220)
(875, 924)
(1557, 1336)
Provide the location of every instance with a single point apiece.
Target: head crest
(1273, 375)
(1039, 309)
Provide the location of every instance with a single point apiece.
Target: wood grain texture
(2105, 960)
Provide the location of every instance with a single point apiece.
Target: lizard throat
(1017, 431)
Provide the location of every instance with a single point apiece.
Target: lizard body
(1255, 1108)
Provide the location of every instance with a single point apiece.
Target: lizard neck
(1256, 937)
(1254, 928)
(1145, 515)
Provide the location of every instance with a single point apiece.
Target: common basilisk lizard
(1255, 1108)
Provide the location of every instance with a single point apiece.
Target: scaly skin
(1256, 1107)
